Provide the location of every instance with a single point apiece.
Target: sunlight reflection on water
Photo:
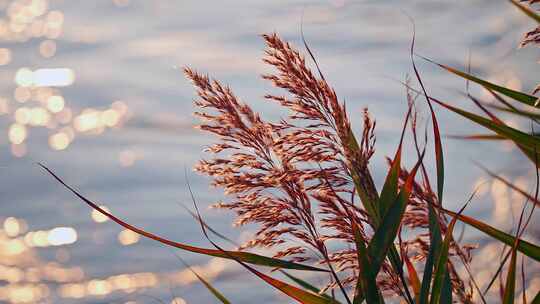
(90, 88)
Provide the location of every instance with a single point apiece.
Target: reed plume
(300, 179)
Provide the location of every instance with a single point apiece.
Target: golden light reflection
(37, 281)
(178, 300)
(88, 120)
(38, 88)
(24, 77)
(99, 287)
(22, 94)
(55, 103)
(12, 227)
(39, 116)
(98, 217)
(128, 237)
(17, 133)
(22, 115)
(110, 118)
(42, 94)
(59, 141)
(14, 247)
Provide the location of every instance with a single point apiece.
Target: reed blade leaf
(384, 236)
(510, 286)
(441, 290)
(305, 285)
(528, 249)
(516, 95)
(366, 276)
(413, 275)
(526, 10)
(207, 284)
(434, 249)
(529, 144)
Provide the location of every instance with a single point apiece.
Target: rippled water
(93, 90)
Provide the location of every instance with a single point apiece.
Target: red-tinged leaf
(296, 293)
(523, 113)
(439, 157)
(528, 249)
(243, 256)
(413, 275)
(478, 137)
(527, 11)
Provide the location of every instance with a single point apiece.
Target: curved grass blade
(305, 285)
(389, 191)
(439, 157)
(524, 113)
(478, 137)
(366, 276)
(528, 249)
(434, 249)
(441, 276)
(296, 293)
(516, 95)
(246, 257)
(209, 286)
(413, 275)
(510, 286)
(529, 12)
(384, 236)
(529, 144)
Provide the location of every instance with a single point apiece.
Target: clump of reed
(305, 182)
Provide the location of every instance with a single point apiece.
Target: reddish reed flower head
(298, 178)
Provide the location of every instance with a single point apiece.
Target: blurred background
(94, 90)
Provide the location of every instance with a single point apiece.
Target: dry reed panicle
(296, 178)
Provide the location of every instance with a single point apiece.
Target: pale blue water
(133, 54)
